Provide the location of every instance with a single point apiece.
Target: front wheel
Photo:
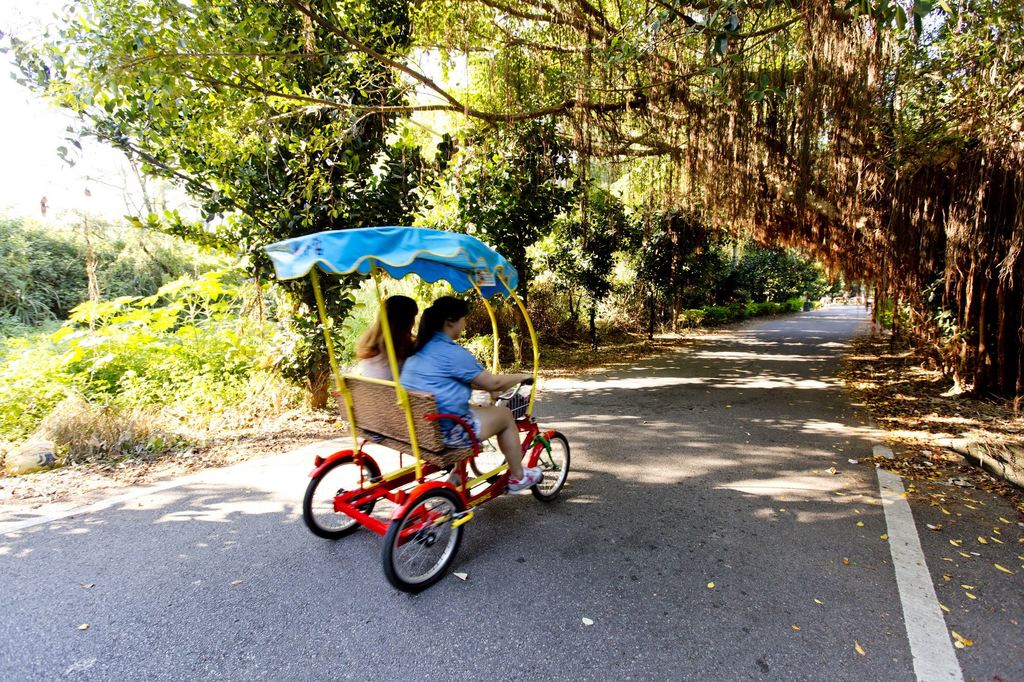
(421, 544)
(339, 477)
(554, 462)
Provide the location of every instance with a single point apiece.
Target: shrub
(187, 352)
(87, 431)
(692, 318)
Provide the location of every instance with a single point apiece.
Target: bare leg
(499, 421)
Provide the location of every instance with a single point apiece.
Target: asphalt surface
(701, 531)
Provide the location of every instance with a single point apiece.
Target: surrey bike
(435, 494)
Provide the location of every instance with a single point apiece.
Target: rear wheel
(421, 544)
(554, 462)
(339, 477)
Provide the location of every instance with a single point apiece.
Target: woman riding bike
(450, 372)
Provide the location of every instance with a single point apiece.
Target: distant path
(706, 465)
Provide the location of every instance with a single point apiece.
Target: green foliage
(716, 315)
(232, 101)
(772, 274)
(190, 349)
(43, 269)
(42, 275)
(506, 187)
(584, 253)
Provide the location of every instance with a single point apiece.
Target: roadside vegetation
(161, 365)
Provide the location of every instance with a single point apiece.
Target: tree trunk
(318, 384)
(593, 325)
(650, 315)
(983, 363)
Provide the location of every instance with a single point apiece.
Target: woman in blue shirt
(450, 372)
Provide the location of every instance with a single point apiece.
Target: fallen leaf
(997, 541)
(711, 586)
(944, 511)
(1003, 569)
(846, 562)
(818, 601)
(1004, 520)
(884, 536)
(860, 523)
(462, 576)
(947, 577)
(587, 621)
(858, 648)
(944, 608)
(956, 543)
(959, 641)
(236, 582)
(968, 587)
(970, 596)
(795, 627)
(964, 554)
(88, 585)
(832, 470)
(935, 527)
(83, 626)
(982, 540)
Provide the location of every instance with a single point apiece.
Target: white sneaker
(531, 477)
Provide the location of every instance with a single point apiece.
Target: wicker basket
(379, 419)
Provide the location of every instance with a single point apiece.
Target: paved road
(707, 465)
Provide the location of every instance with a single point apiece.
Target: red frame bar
(349, 502)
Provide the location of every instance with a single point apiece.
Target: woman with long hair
(449, 371)
(370, 350)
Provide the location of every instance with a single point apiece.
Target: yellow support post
(389, 346)
(533, 340)
(339, 382)
(494, 328)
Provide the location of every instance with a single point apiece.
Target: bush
(692, 318)
(43, 275)
(87, 431)
(188, 353)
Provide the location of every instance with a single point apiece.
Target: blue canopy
(433, 255)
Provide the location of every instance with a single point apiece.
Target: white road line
(930, 643)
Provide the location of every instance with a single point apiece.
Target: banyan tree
(883, 136)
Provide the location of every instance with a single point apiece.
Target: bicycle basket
(517, 402)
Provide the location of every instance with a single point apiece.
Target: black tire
(318, 510)
(400, 565)
(555, 465)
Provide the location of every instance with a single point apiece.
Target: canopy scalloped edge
(433, 255)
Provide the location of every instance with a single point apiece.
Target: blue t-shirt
(445, 369)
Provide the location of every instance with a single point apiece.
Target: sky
(31, 130)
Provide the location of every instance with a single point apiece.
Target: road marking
(930, 643)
